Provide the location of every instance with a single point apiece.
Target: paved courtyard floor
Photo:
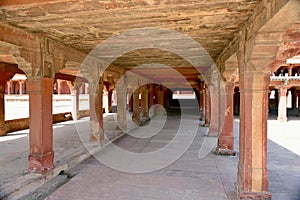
(190, 177)
(197, 174)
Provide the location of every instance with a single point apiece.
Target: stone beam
(263, 13)
(70, 78)
(37, 55)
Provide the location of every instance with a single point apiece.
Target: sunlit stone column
(282, 110)
(226, 138)
(96, 112)
(41, 156)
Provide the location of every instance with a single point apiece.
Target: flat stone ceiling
(84, 24)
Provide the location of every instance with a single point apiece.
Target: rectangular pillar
(159, 110)
(252, 166)
(214, 112)
(282, 110)
(121, 108)
(200, 100)
(74, 89)
(96, 113)
(41, 156)
(130, 99)
(207, 108)
(226, 138)
(151, 95)
(58, 86)
(145, 106)
(109, 100)
(298, 95)
(21, 86)
(136, 107)
(2, 108)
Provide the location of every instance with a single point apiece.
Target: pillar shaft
(2, 108)
(207, 108)
(201, 102)
(41, 154)
(121, 108)
(160, 97)
(21, 86)
(96, 112)
(9, 87)
(58, 86)
(214, 110)
(282, 110)
(130, 100)
(226, 138)
(145, 106)
(109, 100)
(151, 95)
(75, 91)
(294, 98)
(236, 101)
(252, 166)
(159, 110)
(298, 95)
(136, 107)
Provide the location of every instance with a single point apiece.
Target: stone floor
(197, 174)
(192, 176)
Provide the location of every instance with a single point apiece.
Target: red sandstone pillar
(294, 98)
(96, 112)
(41, 133)
(145, 99)
(74, 89)
(21, 86)
(207, 107)
(282, 111)
(109, 100)
(298, 94)
(58, 86)
(130, 99)
(151, 95)
(214, 112)
(136, 107)
(121, 107)
(200, 100)
(2, 108)
(165, 96)
(236, 101)
(226, 138)
(160, 100)
(9, 87)
(86, 88)
(252, 166)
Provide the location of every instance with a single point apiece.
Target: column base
(212, 134)
(136, 120)
(225, 152)
(255, 196)
(41, 163)
(144, 120)
(282, 119)
(96, 139)
(205, 125)
(3, 131)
